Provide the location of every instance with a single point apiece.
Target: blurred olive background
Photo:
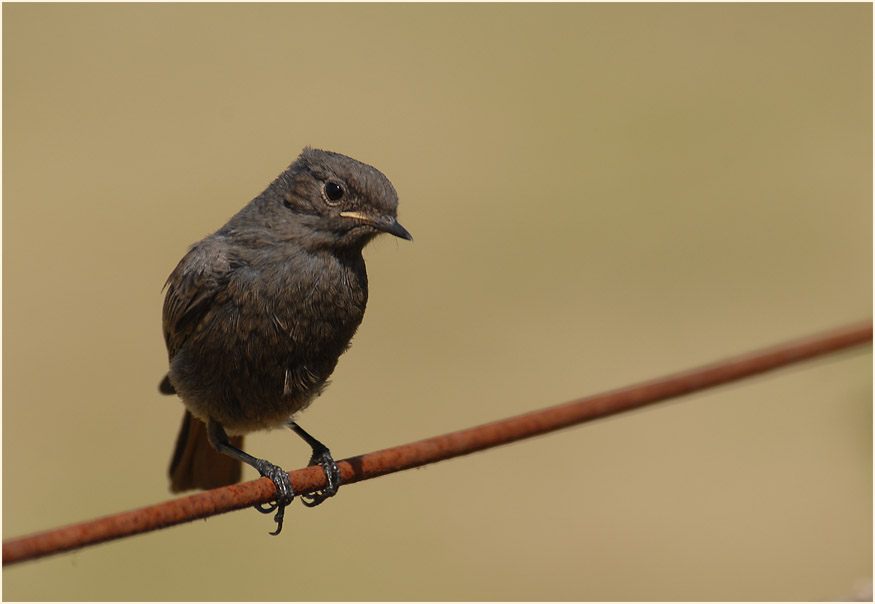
(600, 195)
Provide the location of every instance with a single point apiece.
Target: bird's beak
(388, 224)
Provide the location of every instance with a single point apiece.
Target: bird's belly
(263, 371)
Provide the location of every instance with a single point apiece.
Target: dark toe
(284, 493)
(332, 478)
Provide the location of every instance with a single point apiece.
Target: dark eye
(333, 191)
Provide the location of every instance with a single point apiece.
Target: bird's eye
(333, 192)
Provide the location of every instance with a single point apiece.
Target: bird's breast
(281, 332)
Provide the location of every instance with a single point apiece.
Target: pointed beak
(387, 224)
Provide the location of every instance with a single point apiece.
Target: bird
(257, 314)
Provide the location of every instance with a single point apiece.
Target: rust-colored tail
(196, 464)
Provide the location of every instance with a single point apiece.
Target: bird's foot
(284, 492)
(322, 457)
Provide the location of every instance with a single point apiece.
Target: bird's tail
(196, 464)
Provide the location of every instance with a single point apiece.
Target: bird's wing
(197, 283)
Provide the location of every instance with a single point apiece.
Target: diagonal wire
(430, 450)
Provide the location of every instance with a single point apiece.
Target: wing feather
(197, 283)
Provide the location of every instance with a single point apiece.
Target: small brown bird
(258, 313)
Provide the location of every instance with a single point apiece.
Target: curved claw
(279, 520)
(311, 500)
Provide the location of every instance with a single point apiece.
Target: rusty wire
(371, 465)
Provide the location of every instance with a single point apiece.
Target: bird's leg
(322, 457)
(284, 492)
